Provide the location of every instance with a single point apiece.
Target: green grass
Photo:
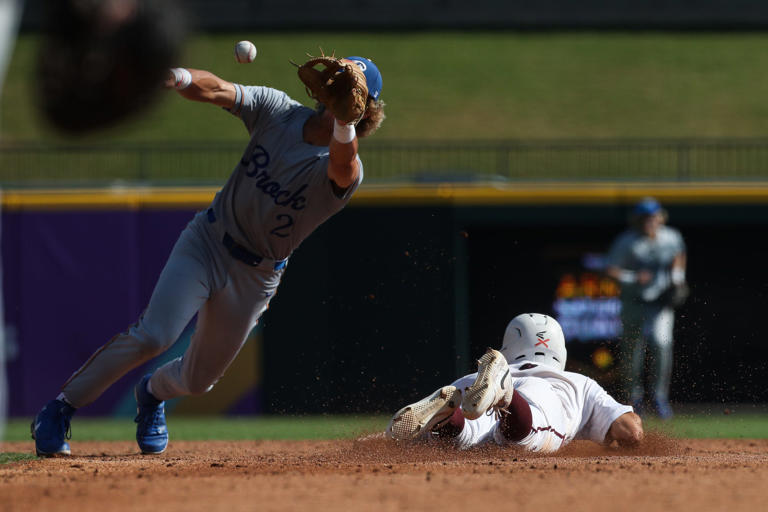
(446, 87)
(8, 457)
(475, 85)
(202, 428)
(734, 426)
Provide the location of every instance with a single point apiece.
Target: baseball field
(695, 462)
(449, 87)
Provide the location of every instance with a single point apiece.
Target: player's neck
(318, 130)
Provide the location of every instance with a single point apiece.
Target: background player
(649, 262)
(522, 396)
(299, 168)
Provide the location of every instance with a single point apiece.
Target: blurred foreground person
(102, 61)
(521, 396)
(648, 260)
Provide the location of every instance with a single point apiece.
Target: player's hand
(644, 277)
(627, 430)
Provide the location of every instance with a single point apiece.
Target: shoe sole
(153, 453)
(410, 421)
(479, 397)
(66, 453)
(39, 453)
(136, 397)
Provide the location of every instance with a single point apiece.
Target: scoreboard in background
(587, 302)
(556, 270)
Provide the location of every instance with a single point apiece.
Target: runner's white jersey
(564, 406)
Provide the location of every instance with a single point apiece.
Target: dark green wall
(383, 305)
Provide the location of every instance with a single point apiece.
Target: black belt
(239, 252)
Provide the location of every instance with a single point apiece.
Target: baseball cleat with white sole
(51, 430)
(151, 429)
(412, 420)
(492, 388)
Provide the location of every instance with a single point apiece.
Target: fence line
(28, 164)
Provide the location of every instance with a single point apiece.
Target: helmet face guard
(535, 337)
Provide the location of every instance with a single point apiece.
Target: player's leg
(182, 288)
(535, 419)
(508, 426)
(485, 399)
(222, 328)
(439, 416)
(661, 324)
(223, 325)
(521, 412)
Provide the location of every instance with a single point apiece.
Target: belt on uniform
(239, 252)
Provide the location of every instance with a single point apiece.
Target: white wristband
(627, 276)
(678, 275)
(344, 133)
(181, 78)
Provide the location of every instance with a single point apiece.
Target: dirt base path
(376, 474)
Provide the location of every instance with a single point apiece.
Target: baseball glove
(338, 85)
(675, 296)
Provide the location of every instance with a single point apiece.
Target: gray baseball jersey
(280, 190)
(634, 251)
(276, 196)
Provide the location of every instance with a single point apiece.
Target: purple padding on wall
(72, 281)
(158, 231)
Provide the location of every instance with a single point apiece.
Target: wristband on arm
(678, 275)
(344, 133)
(182, 78)
(627, 276)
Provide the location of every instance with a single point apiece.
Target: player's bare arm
(200, 85)
(343, 168)
(627, 430)
(341, 86)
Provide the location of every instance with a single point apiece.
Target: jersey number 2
(281, 230)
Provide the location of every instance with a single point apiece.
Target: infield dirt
(376, 474)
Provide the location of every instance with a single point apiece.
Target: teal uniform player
(300, 167)
(649, 261)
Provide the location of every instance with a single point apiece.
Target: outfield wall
(392, 298)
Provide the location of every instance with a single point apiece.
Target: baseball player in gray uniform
(648, 260)
(299, 168)
(521, 396)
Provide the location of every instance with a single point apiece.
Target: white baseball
(245, 51)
